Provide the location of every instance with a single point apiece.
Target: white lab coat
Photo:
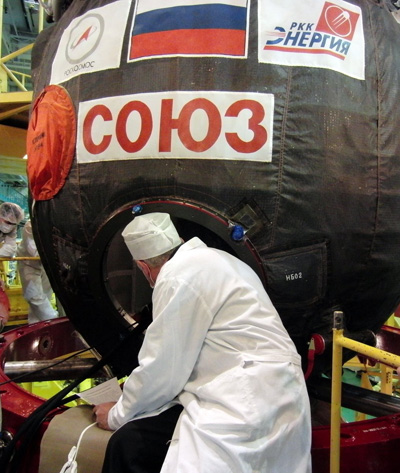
(218, 347)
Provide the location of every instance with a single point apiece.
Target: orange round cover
(51, 142)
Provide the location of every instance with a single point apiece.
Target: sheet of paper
(109, 391)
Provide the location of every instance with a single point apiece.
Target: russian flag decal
(195, 28)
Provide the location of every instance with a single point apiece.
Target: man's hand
(101, 412)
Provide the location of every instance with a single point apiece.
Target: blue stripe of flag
(191, 17)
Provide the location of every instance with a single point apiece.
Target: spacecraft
(267, 128)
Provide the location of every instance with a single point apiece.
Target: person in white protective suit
(10, 216)
(217, 348)
(35, 283)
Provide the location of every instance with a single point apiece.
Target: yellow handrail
(11, 73)
(339, 342)
(16, 53)
(19, 258)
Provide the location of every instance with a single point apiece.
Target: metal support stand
(340, 342)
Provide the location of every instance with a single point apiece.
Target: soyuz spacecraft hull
(267, 128)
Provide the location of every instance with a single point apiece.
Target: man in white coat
(216, 347)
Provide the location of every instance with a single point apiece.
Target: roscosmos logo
(91, 42)
(84, 38)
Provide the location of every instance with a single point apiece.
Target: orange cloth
(51, 142)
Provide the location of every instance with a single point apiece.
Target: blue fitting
(237, 233)
(137, 210)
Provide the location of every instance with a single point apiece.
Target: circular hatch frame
(190, 219)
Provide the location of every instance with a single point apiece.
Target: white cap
(150, 235)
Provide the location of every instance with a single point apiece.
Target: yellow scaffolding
(340, 342)
(18, 103)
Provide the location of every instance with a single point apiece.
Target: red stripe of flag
(191, 42)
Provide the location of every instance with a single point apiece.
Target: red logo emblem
(338, 21)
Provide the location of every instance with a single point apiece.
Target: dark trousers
(140, 446)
